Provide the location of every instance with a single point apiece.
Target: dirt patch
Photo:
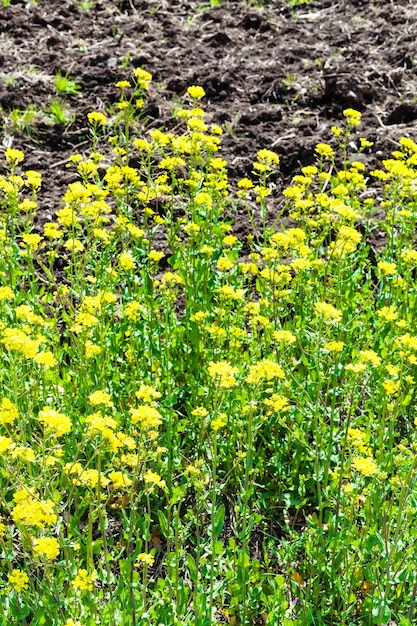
(275, 77)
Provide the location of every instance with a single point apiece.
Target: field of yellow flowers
(197, 429)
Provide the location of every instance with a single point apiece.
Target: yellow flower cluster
(84, 581)
(55, 423)
(328, 312)
(19, 580)
(224, 373)
(265, 370)
(29, 510)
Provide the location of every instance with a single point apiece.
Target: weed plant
(65, 84)
(197, 429)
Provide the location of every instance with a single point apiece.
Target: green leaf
(219, 521)
(97, 546)
(21, 612)
(192, 567)
(163, 523)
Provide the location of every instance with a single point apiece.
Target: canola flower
(46, 547)
(29, 510)
(19, 580)
(328, 312)
(84, 581)
(8, 411)
(145, 558)
(196, 92)
(146, 415)
(55, 423)
(265, 370)
(224, 373)
(365, 466)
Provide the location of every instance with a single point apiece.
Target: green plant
(59, 114)
(23, 120)
(85, 5)
(195, 427)
(65, 84)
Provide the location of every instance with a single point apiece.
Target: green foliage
(59, 114)
(197, 428)
(23, 121)
(66, 85)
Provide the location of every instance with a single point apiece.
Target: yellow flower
(155, 255)
(97, 118)
(46, 359)
(388, 313)
(406, 341)
(245, 183)
(147, 416)
(229, 293)
(52, 230)
(324, 150)
(219, 422)
(6, 444)
(369, 356)
(152, 479)
(47, 547)
(16, 339)
(100, 397)
(133, 310)
(145, 557)
(334, 346)
(14, 156)
(328, 312)
(224, 264)
(264, 370)
(268, 157)
(74, 245)
(353, 117)
(119, 479)
(83, 580)
(30, 510)
(32, 240)
(122, 84)
(388, 269)
(22, 453)
(203, 199)
(357, 368)
(142, 78)
(365, 143)
(56, 423)
(8, 411)
(199, 411)
(229, 240)
(147, 393)
(19, 580)
(284, 336)
(365, 465)
(126, 261)
(391, 386)
(197, 124)
(278, 403)
(224, 373)
(6, 293)
(91, 349)
(196, 92)
(33, 179)
(27, 206)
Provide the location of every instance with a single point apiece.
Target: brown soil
(275, 77)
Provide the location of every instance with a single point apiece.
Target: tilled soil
(275, 77)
